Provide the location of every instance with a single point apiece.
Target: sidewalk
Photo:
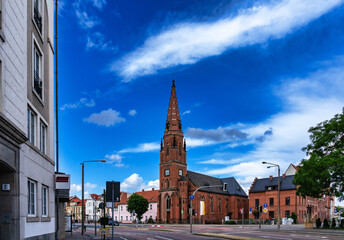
(77, 235)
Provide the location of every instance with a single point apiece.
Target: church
(211, 205)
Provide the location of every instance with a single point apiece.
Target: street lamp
(82, 201)
(279, 190)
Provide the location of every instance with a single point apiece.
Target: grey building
(27, 193)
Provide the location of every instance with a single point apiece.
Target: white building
(92, 206)
(27, 197)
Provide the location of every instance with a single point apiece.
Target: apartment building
(27, 180)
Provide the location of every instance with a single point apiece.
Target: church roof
(260, 185)
(233, 187)
(173, 123)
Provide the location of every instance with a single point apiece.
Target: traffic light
(193, 212)
(224, 188)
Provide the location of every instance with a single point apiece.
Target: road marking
(164, 238)
(323, 237)
(276, 237)
(123, 238)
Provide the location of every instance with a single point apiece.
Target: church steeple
(173, 123)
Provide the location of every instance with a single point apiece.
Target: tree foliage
(139, 204)
(323, 172)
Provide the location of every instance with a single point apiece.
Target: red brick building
(177, 183)
(265, 190)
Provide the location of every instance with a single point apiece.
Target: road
(182, 232)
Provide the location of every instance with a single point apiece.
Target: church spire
(173, 123)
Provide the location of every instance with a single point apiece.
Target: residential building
(27, 162)
(92, 206)
(70, 206)
(177, 183)
(265, 191)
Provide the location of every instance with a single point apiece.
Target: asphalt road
(182, 232)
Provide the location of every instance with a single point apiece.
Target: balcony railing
(37, 17)
(37, 84)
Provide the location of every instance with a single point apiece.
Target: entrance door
(168, 216)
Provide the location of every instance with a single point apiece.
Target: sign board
(241, 210)
(6, 187)
(202, 207)
(226, 218)
(192, 197)
(250, 210)
(335, 211)
(265, 210)
(68, 223)
(265, 205)
(103, 231)
(62, 181)
(117, 191)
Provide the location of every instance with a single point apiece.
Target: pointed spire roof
(173, 122)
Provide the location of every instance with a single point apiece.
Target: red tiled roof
(95, 196)
(151, 196)
(80, 203)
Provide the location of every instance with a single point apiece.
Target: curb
(234, 237)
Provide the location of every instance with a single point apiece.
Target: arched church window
(167, 184)
(167, 149)
(212, 205)
(220, 205)
(227, 207)
(180, 149)
(168, 202)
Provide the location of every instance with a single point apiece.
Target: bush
(341, 225)
(232, 222)
(326, 224)
(294, 217)
(333, 224)
(318, 223)
(150, 220)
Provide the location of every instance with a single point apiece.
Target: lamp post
(279, 190)
(82, 194)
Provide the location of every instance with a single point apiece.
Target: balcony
(37, 84)
(38, 18)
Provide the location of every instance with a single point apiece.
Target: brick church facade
(177, 183)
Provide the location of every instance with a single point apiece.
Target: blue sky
(251, 78)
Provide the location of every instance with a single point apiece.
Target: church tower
(173, 168)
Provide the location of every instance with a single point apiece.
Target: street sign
(192, 197)
(250, 210)
(117, 191)
(265, 205)
(265, 210)
(103, 231)
(335, 211)
(182, 211)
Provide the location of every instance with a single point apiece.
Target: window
(116, 218)
(31, 198)
(44, 201)
(168, 202)
(150, 206)
(212, 205)
(271, 201)
(272, 214)
(167, 184)
(167, 172)
(31, 123)
(121, 218)
(220, 206)
(37, 72)
(257, 202)
(126, 208)
(121, 208)
(180, 172)
(146, 218)
(37, 16)
(287, 214)
(287, 201)
(42, 138)
(126, 218)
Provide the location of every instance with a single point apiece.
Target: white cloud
(188, 43)
(143, 147)
(115, 159)
(75, 188)
(306, 103)
(136, 183)
(132, 112)
(97, 41)
(85, 21)
(81, 103)
(186, 112)
(106, 118)
(99, 3)
(132, 182)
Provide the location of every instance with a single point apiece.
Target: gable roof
(260, 184)
(151, 196)
(233, 187)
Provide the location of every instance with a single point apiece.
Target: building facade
(92, 207)
(27, 119)
(265, 191)
(177, 183)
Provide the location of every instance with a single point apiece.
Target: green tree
(323, 171)
(139, 204)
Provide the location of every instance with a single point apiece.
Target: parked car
(115, 223)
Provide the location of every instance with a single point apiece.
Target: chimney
(152, 189)
(283, 176)
(270, 177)
(143, 190)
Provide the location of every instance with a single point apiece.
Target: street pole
(243, 218)
(113, 204)
(279, 200)
(82, 201)
(191, 216)
(260, 223)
